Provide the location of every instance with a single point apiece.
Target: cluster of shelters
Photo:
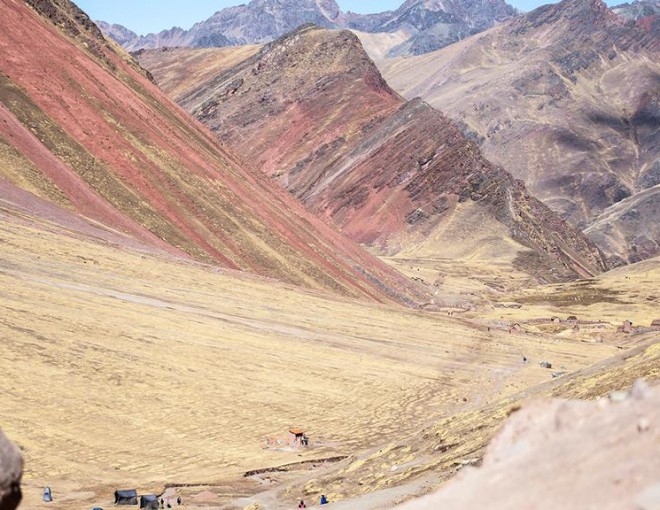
(146, 501)
(122, 497)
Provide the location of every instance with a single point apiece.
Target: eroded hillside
(168, 314)
(314, 113)
(565, 98)
(83, 126)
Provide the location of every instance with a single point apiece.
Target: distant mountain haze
(153, 16)
(426, 25)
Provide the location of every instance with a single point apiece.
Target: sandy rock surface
(569, 455)
(11, 469)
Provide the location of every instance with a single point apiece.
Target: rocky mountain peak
(313, 112)
(329, 8)
(638, 9)
(437, 23)
(584, 26)
(646, 14)
(326, 56)
(593, 9)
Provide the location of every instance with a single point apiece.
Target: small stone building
(627, 327)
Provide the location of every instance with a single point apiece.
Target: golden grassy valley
(122, 369)
(321, 289)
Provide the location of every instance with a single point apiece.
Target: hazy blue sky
(144, 16)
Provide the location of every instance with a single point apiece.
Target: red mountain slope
(81, 125)
(313, 111)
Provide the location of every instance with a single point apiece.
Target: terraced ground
(125, 368)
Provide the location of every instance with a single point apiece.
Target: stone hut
(627, 327)
(515, 328)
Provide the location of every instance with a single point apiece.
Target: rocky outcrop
(11, 470)
(119, 33)
(314, 113)
(566, 454)
(562, 97)
(257, 22)
(429, 25)
(645, 13)
(638, 10)
(437, 24)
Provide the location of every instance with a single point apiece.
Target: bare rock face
(569, 455)
(639, 10)
(11, 470)
(258, 22)
(436, 23)
(119, 33)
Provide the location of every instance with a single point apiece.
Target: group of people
(323, 501)
(168, 504)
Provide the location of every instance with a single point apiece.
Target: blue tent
(129, 497)
(150, 502)
(48, 495)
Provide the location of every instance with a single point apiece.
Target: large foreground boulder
(11, 470)
(568, 455)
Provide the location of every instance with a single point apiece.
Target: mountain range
(638, 10)
(422, 25)
(566, 99)
(312, 111)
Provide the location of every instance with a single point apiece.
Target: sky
(145, 16)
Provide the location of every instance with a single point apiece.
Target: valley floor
(122, 369)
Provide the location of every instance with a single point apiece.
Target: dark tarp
(126, 497)
(149, 502)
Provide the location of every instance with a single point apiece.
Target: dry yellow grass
(120, 368)
(628, 293)
(465, 259)
(420, 462)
